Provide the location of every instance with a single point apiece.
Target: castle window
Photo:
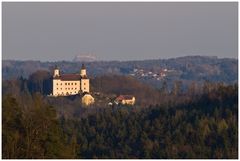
(61, 88)
(65, 83)
(75, 88)
(57, 83)
(84, 83)
(72, 88)
(68, 83)
(75, 83)
(61, 84)
(72, 83)
(68, 88)
(65, 88)
(57, 88)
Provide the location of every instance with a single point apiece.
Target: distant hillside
(154, 72)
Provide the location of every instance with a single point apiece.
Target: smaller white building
(87, 100)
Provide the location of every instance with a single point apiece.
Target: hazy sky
(119, 31)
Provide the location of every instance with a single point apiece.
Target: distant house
(125, 100)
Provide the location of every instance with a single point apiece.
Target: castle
(70, 84)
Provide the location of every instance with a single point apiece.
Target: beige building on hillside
(87, 99)
(70, 84)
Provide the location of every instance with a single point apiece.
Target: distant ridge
(186, 69)
(92, 58)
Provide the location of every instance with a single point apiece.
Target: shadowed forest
(201, 122)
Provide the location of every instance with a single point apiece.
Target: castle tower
(56, 72)
(84, 80)
(83, 71)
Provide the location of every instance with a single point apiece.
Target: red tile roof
(69, 77)
(124, 97)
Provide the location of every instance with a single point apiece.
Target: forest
(199, 123)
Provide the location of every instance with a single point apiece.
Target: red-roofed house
(125, 100)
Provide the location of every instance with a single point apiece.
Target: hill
(154, 72)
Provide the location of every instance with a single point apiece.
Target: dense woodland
(201, 122)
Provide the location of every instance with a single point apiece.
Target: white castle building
(70, 84)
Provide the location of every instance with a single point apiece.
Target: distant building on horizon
(70, 84)
(84, 58)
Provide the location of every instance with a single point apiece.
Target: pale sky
(118, 31)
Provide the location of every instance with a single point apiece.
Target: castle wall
(85, 85)
(65, 87)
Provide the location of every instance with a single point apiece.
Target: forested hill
(205, 127)
(154, 72)
(200, 122)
